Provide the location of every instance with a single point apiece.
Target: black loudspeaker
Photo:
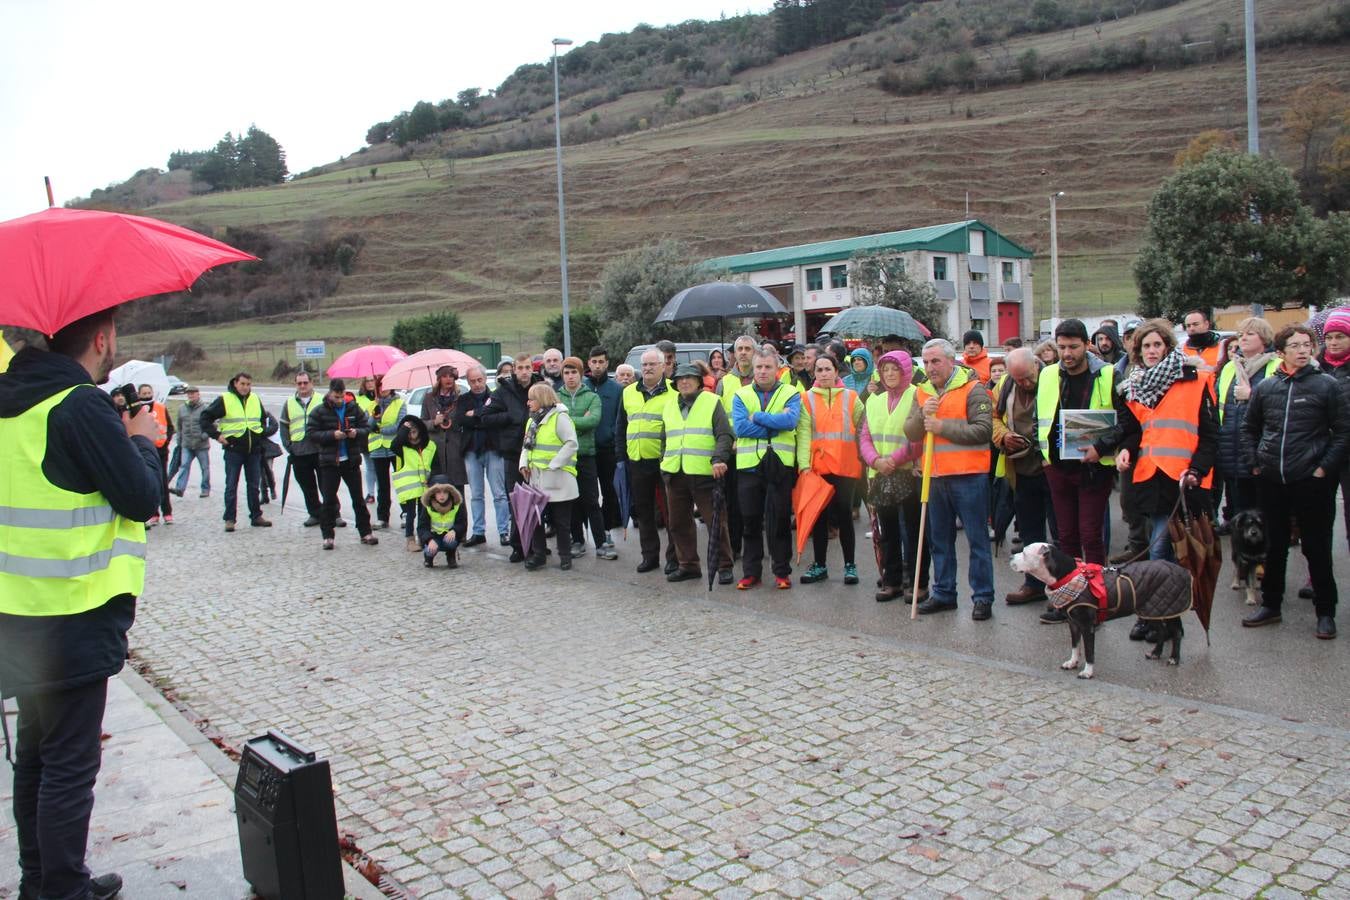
(288, 838)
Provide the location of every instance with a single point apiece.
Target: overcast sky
(92, 91)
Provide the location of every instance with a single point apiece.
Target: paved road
(495, 731)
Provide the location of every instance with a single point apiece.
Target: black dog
(1249, 551)
(1154, 590)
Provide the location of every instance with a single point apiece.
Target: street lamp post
(1054, 261)
(562, 219)
(1249, 35)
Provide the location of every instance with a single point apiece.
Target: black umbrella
(720, 300)
(285, 485)
(715, 530)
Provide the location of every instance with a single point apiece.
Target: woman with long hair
(548, 462)
(827, 443)
(1250, 362)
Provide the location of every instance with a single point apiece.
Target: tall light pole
(1253, 127)
(1054, 261)
(562, 218)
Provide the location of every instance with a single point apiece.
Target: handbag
(893, 489)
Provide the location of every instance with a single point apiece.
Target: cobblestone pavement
(494, 731)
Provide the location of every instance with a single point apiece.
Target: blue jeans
(966, 496)
(370, 476)
(1160, 542)
(491, 464)
(203, 459)
(251, 464)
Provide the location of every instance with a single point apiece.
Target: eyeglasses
(1298, 345)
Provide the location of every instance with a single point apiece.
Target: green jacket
(586, 409)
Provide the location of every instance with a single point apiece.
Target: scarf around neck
(1147, 386)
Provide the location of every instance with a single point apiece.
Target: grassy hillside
(831, 159)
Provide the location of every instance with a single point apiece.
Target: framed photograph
(1079, 428)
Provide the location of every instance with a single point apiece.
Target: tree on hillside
(1317, 123)
(635, 285)
(1202, 144)
(1232, 229)
(422, 122)
(442, 330)
(880, 280)
(587, 331)
(251, 160)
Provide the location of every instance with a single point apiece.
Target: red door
(1009, 321)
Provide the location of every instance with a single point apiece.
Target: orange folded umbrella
(809, 498)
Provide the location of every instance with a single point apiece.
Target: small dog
(1154, 590)
(1249, 551)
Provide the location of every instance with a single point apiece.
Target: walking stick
(923, 521)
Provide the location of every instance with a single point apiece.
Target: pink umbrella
(419, 370)
(363, 362)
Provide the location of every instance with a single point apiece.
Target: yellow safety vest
(412, 468)
(392, 413)
(689, 438)
(442, 522)
(240, 417)
(547, 444)
(61, 552)
(1047, 403)
(1229, 374)
(298, 416)
(749, 451)
(731, 385)
(887, 426)
(644, 420)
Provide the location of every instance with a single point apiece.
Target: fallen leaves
(1181, 782)
(929, 853)
(1224, 755)
(847, 862)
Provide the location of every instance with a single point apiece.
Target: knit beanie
(1339, 320)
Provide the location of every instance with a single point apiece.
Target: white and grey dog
(1155, 590)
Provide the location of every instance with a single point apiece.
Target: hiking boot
(565, 565)
(105, 887)
(1025, 594)
(887, 594)
(606, 551)
(260, 522)
(814, 574)
(934, 605)
(229, 526)
(982, 612)
(452, 559)
(1127, 556)
(428, 560)
(413, 546)
(1264, 615)
(850, 574)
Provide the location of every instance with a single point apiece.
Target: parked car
(684, 353)
(413, 400)
(177, 385)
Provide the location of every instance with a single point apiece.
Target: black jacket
(507, 417)
(323, 423)
(472, 427)
(249, 442)
(87, 450)
(1295, 425)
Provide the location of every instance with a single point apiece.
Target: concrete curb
(224, 768)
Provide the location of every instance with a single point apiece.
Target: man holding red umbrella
(80, 481)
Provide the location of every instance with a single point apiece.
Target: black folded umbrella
(715, 530)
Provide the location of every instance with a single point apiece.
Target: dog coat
(1157, 589)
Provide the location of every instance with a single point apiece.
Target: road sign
(310, 350)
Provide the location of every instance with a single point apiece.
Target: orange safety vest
(1171, 431)
(162, 420)
(834, 439)
(1210, 355)
(950, 458)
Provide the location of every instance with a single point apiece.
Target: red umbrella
(60, 265)
(365, 362)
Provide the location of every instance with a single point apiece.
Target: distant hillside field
(826, 160)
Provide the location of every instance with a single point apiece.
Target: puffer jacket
(1296, 424)
(454, 506)
(190, 432)
(323, 425)
(1230, 427)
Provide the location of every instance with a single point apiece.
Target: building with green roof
(983, 276)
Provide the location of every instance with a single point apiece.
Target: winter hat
(573, 362)
(1339, 320)
(972, 335)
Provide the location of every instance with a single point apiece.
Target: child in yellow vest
(438, 522)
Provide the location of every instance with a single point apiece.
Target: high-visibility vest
(1171, 431)
(887, 426)
(834, 438)
(1229, 374)
(442, 522)
(730, 386)
(547, 444)
(61, 552)
(950, 458)
(749, 451)
(298, 416)
(240, 416)
(411, 470)
(366, 403)
(377, 441)
(689, 438)
(1209, 354)
(161, 424)
(1047, 403)
(644, 420)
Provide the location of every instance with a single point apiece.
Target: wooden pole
(51, 201)
(923, 521)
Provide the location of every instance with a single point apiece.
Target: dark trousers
(512, 473)
(765, 508)
(605, 463)
(251, 465)
(644, 478)
(562, 531)
(586, 508)
(840, 515)
(330, 479)
(305, 470)
(1136, 520)
(1080, 510)
(912, 509)
(57, 752)
(1313, 502)
(683, 493)
(1242, 493)
(165, 504)
(1345, 498)
(409, 517)
(383, 500)
(735, 521)
(890, 536)
(1031, 501)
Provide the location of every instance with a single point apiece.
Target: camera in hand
(133, 399)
